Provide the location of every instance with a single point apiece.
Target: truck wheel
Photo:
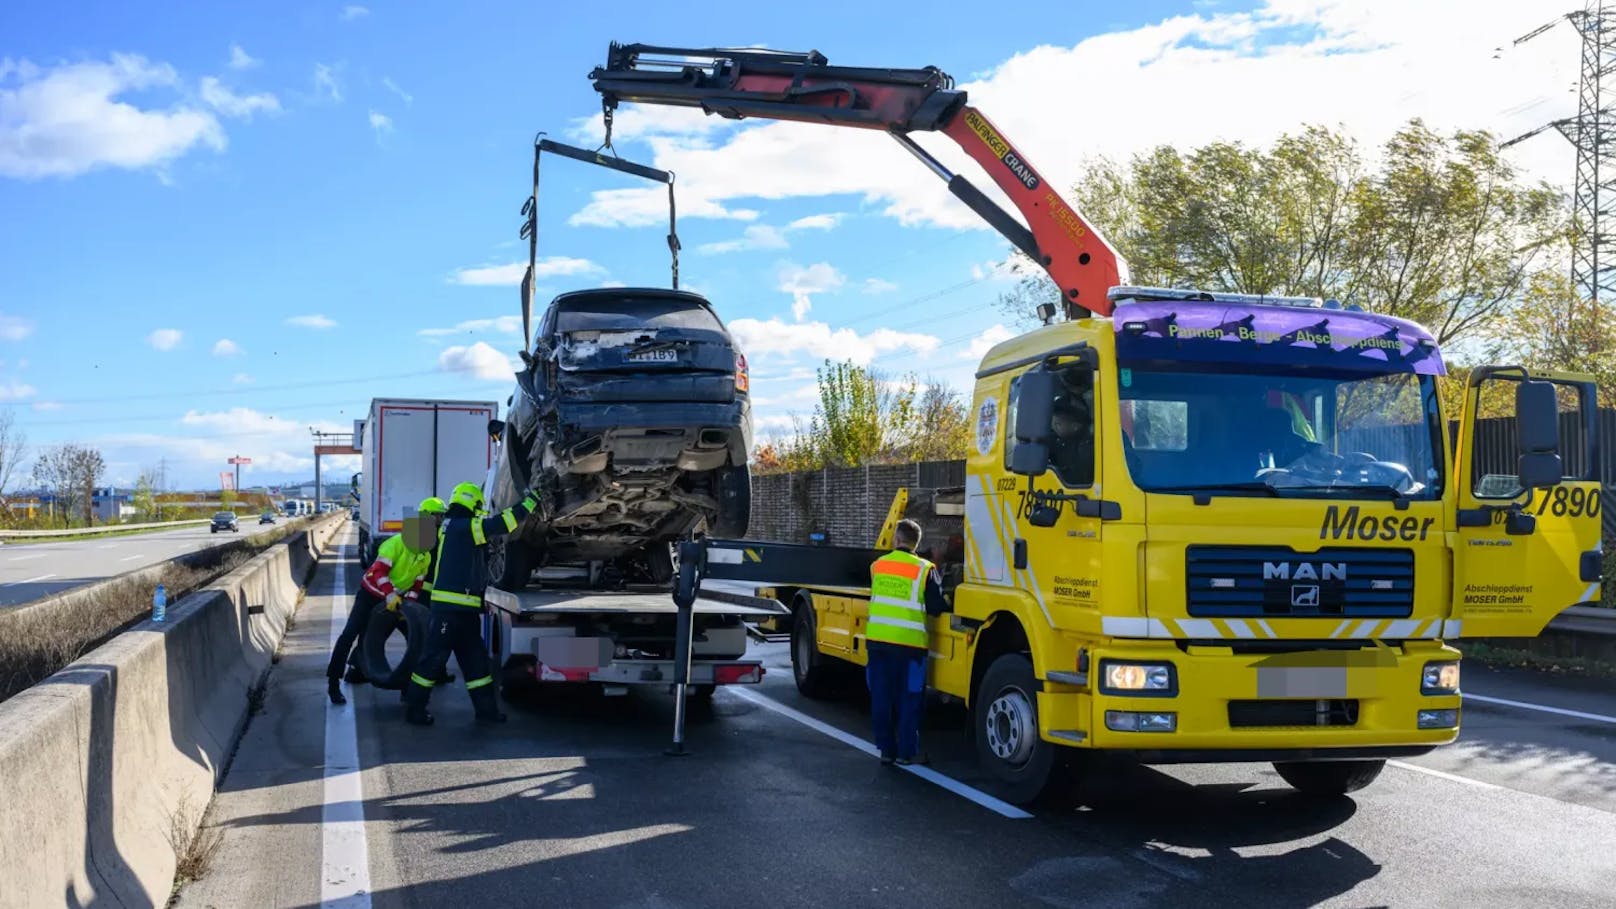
(1008, 747)
(516, 678)
(373, 644)
(733, 485)
(701, 692)
(364, 548)
(809, 667)
(659, 563)
(510, 563)
(1327, 779)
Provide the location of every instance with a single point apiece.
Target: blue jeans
(897, 679)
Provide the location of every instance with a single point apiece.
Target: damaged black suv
(632, 414)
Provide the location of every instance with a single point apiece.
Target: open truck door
(1528, 504)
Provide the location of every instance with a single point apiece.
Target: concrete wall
(96, 760)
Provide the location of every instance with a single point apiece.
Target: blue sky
(224, 226)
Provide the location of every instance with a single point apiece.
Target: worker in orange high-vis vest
(904, 589)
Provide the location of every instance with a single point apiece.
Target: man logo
(1305, 596)
(1304, 571)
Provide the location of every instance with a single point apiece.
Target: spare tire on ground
(411, 620)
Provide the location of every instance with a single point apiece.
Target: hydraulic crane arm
(776, 85)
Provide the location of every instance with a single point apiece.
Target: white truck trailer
(413, 448)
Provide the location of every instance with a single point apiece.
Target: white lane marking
(109, 546)
(1451, 777)
(847, 738)
(137, 555)
(344, 854)
(42, 577)
(37, 555)
(1541, 708)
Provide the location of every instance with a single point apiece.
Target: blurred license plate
(665, 355)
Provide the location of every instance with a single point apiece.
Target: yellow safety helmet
(468, 494)
(432, 505)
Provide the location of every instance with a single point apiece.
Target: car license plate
(664, 355)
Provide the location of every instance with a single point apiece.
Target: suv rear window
(607, 314)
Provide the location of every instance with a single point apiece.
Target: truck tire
(733, 488)
(1328, 779)
(1005, 713)
(414, 618)
(364, 549)
(810, 668)
(510, 563)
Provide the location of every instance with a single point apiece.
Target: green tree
(1439, 229)
(145, 495)
(1554, 327)
(942, 425)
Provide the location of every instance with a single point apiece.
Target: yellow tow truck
(1196, 526)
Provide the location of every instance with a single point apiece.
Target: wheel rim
(1011, 727)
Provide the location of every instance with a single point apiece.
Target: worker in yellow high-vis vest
(904, 589)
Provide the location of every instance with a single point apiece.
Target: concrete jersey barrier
(97, 760)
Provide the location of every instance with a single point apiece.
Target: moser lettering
(1350, 525)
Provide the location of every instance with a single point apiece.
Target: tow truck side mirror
(1537, 427)
(1035, 415)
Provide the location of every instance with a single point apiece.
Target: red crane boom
(777, 85)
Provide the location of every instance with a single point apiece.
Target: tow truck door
(1521, 556)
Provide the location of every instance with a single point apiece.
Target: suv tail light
(743, 382)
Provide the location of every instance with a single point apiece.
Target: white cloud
(325, 82)
(1249, 76)
(509, 325)
(984, 342)
(67, 120)
(879, 286)
(755, 236)
(635, 122)
(354, 11)
(231, 104)
(392, 86)
(644, 208)
(815, 222)
(165, 338)
(758, 338)
(240, 59)
(46, 406)
(15, 328)
(224, 347)
(381, 123)
(196, 454)
(511, 273)
(241, 378)
(312, 321)
(13, 390)
(802, 282)
(479, 360)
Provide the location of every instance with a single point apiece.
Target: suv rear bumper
(646, 435)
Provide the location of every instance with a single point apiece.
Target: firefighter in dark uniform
(459, 576)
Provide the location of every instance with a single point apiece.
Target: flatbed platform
(642, 602)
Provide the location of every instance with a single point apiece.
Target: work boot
(482, 700)
(415, 699)
(334, 692)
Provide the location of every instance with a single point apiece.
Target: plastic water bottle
(159, 603)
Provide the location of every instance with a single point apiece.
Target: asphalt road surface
(578, 806)
(29, 571)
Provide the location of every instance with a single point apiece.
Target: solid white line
(28, 580)
(1559, 711)
(1451, 777)
(37, 555)
(847, 738)
(133, 557)
(344, 854)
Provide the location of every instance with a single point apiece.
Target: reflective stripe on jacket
(898, 600)
(459, 575)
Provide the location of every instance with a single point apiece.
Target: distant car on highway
(267, 517)
(224, 520)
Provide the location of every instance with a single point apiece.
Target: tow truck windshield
(1350, 434)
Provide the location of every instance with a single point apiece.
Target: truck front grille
(1276, 713)
(1276, 581)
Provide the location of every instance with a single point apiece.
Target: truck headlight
(1138, 678)
(1440, 678)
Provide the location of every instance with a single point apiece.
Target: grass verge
(36, 642)
(1509, 658)
(195, 845)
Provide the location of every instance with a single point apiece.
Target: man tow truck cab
(1196, 526)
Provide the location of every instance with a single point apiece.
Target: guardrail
(82, 531)
(1595, 620)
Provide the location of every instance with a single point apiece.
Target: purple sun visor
(1181, 330)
